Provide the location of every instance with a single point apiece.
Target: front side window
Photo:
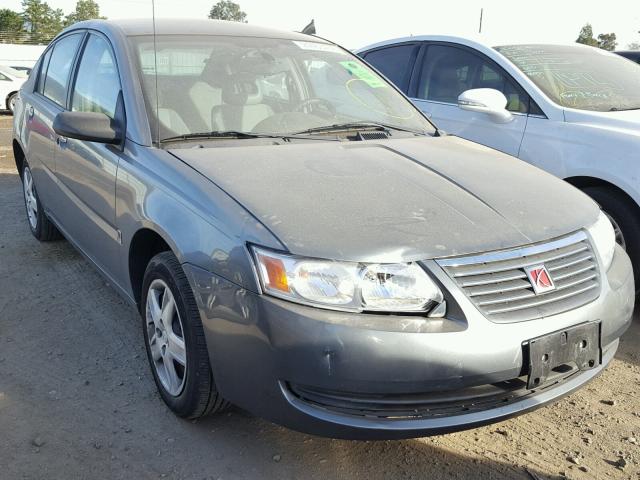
(395, 63)
(262, 85)
(449, 71)
(57, 76)
(97, 84)
(579, 77)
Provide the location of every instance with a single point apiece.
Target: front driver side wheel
(175, 341)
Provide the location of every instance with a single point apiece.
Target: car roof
(179, 26)
(476, 43)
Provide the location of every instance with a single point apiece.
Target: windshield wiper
(616, 109)
(338, 127)
(219, 134)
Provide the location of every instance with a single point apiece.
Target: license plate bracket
(558, 353)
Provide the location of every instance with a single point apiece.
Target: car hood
(624, 121)
(394, 200)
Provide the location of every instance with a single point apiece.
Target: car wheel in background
(174, 337)
(41, 227)
(11, 102)
(625, 220)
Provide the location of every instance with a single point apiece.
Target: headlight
(604, 239)
(403, 287)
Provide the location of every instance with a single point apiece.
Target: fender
(202, 217)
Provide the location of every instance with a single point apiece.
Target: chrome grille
(497, 284)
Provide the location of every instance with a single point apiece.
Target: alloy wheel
(166, 337)
(30, 199)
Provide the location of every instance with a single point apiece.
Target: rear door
(444, 71)
(87, 170)
(41, 107)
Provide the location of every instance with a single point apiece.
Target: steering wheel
(306, 105)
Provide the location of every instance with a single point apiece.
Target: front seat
(242, 108)
(204, 97)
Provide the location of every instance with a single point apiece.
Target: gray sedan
(302, 242)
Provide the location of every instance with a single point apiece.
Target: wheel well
(18, 156)
(144, 246)
(585, 182)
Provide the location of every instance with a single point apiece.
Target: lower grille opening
(427, 405)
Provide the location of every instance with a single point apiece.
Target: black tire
(43, 229)
(625, 213)
(11, 102)
(199, 396)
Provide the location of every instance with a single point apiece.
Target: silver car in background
(302, 242)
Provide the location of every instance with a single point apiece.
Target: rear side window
(43, 71)
(57, 77)
(395, 63)
(97, 84)
(449, 71)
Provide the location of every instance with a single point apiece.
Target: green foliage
(39, 23)
(10, 21)
(10, 25)
(586, 36)
(227, 10)
(42, 21)
(606, 41)
(85, 10)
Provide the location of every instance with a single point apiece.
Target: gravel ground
(77, 399)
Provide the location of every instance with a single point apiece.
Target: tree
(227, 10)
(42, 21)
(85, 10)
(607, 41)
(634, 45)
(586, 36)
(11, 24)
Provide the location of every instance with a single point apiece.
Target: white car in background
(10, 82)
(572, 110)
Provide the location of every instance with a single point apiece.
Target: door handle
(31, 111)
(61, 141)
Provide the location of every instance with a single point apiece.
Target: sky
(357, 23)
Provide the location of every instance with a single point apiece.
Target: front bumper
(309, 369)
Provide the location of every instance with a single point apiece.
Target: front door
(87, 171)
(447, 71)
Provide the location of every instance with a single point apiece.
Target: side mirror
(88, 126)
(486, 100)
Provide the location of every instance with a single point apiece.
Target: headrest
(241, 91)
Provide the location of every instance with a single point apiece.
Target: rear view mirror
(87, 126)
(486, 100)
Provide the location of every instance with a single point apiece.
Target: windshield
(579, 77)
(262, 86)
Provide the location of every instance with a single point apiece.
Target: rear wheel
(625, 219)
(41, 227)
(174, 337)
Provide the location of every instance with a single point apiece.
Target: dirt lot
(77, 399)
